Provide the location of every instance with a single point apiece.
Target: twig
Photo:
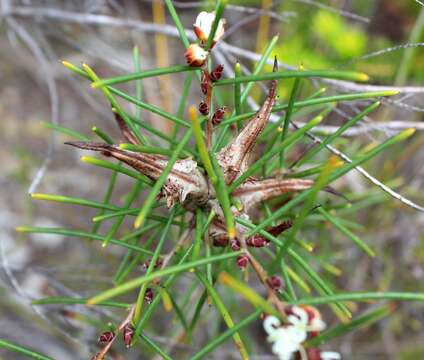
(360, 169)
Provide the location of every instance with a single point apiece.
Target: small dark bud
(242, 261)
(106, 337)
(204, 84)
(277, 230)
(217, 73)
(218, 116)
(235, 245)
(220, 240)
(275, 282)
(127, 334)
(257, 241)
(203, 108)
(158, 263)
(149, 295)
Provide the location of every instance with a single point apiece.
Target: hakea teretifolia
(188, 184)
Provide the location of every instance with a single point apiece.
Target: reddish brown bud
(217, 73)
(158, 263)
(203, 108)
(218, 115)
(242, 261)
(220, 240)
(127, 334)
(277, 230)
(106, 337)
(257, 241)
(275, 282)
(204, 83)
(149, 295)
(235, 245)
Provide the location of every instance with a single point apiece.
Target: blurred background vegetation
(346, 34)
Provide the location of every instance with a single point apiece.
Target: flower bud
(106, 337)
(158, 263)
(242, 261)
(220, 240)
(218, 115)
(203, 108)
(195, 55)
(235, 245)
(149, 295)
(275, 282)
(204, 83)
(257, 241)
(217, 73)
(127, 334)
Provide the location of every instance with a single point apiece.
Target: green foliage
(185, 231)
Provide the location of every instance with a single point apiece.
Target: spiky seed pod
(218, 116)
(203, 108)
(106, 337)
(217, 73)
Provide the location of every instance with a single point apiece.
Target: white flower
(330, 355)
(287, 340)
(203, 26)
(195, 55)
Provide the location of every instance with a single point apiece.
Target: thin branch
(371, 178)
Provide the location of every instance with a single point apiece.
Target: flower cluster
(303, 321)
(196, 54)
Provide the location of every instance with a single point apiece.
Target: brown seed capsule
(275, 282)
(203, 108)
(217, 73)
(218, 115)
(106, 337)
(242, 261)
(149, 295)
(127, 334)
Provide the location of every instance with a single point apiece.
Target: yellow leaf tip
(138, 222)
(363, 77)
(231, 233)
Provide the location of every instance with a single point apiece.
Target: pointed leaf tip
(21, 229)
(363, 77)
(275, 67)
